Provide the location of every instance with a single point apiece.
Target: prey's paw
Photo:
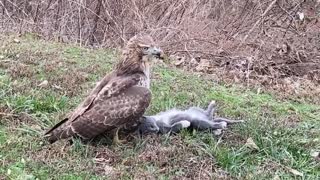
(223, 124)
(217, 132)
(212, 103)
(185, 124)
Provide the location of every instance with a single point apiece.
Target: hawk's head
(138, 55)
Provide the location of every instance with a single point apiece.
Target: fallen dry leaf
(179, 61)
(203, 65)
(57, 87)
(44, 84)
(251, 144)
(194, 62)
(16, 40)
(295, 172)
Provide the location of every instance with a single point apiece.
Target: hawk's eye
(145, 48)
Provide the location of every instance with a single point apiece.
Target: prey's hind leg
(178, 126)
(228, 121)
(211, 110)
(205, 124)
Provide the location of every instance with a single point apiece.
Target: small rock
(44, 84)
(1, 56)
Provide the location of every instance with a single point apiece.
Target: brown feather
(55, 126)
(105, 115)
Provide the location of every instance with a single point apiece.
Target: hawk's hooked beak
(157, 52)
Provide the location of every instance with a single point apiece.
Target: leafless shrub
(275, 38)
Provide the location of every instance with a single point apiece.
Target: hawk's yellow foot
(116, 140)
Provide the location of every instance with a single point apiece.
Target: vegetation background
(259, 60)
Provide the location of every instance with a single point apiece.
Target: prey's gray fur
(174, 120)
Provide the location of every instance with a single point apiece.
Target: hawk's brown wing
(105, 115)
(109, 85)
(116, 99)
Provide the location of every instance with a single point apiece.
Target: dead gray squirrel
(174, 120)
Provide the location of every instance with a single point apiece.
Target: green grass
(285, 131)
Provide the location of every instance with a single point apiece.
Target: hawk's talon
(116, 140)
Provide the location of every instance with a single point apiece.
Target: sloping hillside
(40, 81)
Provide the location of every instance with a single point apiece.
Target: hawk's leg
(116, 139)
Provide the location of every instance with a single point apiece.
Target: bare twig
(257, 22)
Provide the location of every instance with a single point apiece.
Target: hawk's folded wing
(107, 86)
(113, 102)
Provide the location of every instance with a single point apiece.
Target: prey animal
(174, 120)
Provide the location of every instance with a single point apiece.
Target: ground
(41, 81)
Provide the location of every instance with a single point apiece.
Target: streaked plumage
(119, 99)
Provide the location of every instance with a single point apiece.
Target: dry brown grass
(284, 130)
(244, 40)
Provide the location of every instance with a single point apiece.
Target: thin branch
(257, 22)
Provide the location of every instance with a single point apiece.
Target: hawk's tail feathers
(59, 131)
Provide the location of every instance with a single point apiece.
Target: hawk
(120, 98)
